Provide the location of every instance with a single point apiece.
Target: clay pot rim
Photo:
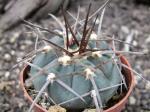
(131, 86)
(124, 99)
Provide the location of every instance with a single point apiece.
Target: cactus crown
(76, 70)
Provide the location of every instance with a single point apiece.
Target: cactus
(106, 76)
(78, 71)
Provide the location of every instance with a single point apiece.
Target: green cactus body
(105, 76)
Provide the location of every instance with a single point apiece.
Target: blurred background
(128, 20)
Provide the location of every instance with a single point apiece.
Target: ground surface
(122, 18)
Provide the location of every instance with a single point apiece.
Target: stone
(132, 100)
(56, 109)
(147, 86)
(7, 74)
(125, 29)
(7, 57)
(147, 40)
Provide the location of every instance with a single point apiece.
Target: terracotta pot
(129, 77)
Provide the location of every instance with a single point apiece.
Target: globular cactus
(78, 68)
(104, 76)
